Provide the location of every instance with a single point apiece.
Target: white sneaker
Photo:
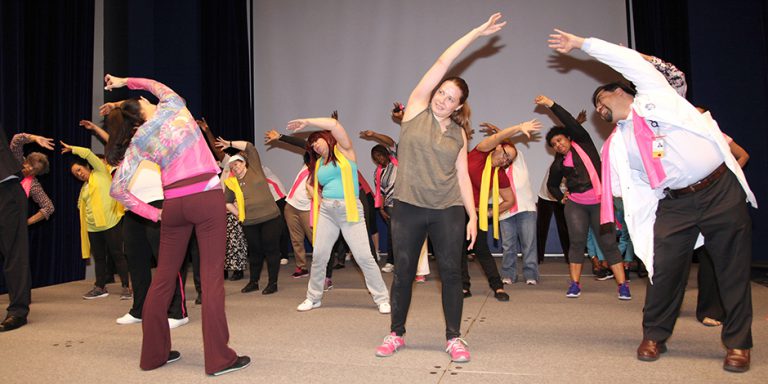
(283, 261)
(128, 319)
(506, 281)
(175, 323)
(531, 282)
(384, 308)
(388, 268)
(307, 305)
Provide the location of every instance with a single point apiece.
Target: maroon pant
(204, 212)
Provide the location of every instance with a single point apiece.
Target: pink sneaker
(392, 343)
(421, 279)
(457, 348)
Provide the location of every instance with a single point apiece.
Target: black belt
(699, 185)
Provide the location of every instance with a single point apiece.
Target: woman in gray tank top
(432, 192)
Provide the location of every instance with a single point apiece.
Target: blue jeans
(519, 232)
(593, 249)
(625, 242)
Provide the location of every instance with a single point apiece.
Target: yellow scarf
(347, 185)
(234, 185)
(483, 202)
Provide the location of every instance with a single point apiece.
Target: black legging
(579, 218)
(445, 227)
(109, 241)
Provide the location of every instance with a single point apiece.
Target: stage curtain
(46, 64)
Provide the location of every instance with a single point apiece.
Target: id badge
(658, 148)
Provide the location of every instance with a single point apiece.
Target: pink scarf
(299, 180)
(652, 165)
(378, 198)
(274, 185)
(593, 195)
(26, 183)
(512, 185)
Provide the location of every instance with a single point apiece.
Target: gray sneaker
(126, 294)
(96, 293)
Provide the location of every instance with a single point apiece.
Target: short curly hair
(39, 161)
(554, 131)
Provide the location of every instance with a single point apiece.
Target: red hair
(314, 156)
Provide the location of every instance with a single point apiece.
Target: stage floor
(539, 336)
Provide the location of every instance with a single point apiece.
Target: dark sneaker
(173, 356)
(501, 296)
(467, 293)
(240, 363)
(299, 273)
(96, 293)
(574, 290)
(126, 294)
(604, 274)
(624, 291)
(236, 275)
(250, 287)
(270, 289)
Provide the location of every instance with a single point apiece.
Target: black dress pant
(108, 242)
(14, 247)
(484, 257)
(719, 212)
(264, 244)
(545, 209)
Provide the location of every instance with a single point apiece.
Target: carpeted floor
(539, 336)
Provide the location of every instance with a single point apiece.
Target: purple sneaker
(392, 343)
(457, 348)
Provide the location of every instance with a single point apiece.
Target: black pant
(545, 210)
(14, 247)
(109, 241)
(390, 253)
(719, 212)
(285, 236)
(445, 227)
(142, 241)
(264, 243)
(484, 257)
(708, 303)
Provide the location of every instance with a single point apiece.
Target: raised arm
(499, 136)
(217, 152)
(20, 139)
(623, 60)
(378, 137)
(419, 98)
(328, 124)
(574, 128)
(272, 136)
(100, 132)
(86, 154)
(166, 96)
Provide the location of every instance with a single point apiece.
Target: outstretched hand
(106, 108)
(297, 125)
(564, 42)
(271, 136)
(202, 124)
(87, 124)
(112, 82)
(44, 142)
(65, 148)
(529, 127)
(489, 129)
(492, 25)
(221, 143)
(367, 134)
(397, 112)
(582, 116)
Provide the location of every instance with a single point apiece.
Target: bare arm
(100, 132)
(507, 199)
(490, 142)
(231, 208)
(378, 137)
(739, 153)
(419, 98)
(467, 197)
(217, 152)
(329, 124)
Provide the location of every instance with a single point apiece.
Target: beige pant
(298, 228)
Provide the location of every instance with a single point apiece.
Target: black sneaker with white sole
(173, 356)
(240, 363)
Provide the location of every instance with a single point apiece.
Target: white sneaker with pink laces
(457, 348)
(392, 343)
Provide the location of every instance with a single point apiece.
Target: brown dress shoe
(736, 360)
(650, 350)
